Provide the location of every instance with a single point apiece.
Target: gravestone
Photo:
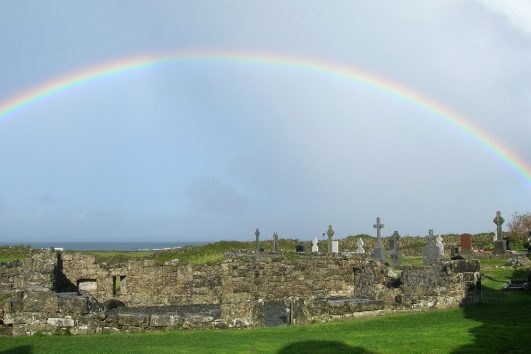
(335, 246)
(431, 250)
(465, 241)
(360, 244)
(379, 251)
(330, 234)
(440, 246)
(275, 242)
(315, 247)
(499, 244)
(394, 248)
(299, 248)
(257, 234)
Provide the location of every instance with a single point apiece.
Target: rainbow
(38, 93)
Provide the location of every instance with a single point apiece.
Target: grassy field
(13, 253)
(410, 246)
(500, 324)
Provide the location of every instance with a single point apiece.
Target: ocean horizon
(104, 246)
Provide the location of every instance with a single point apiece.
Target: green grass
(13, 253)
(118, 256)
(412, 260)
(204, 254)
(500, 324)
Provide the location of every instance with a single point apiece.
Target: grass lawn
(500, 324)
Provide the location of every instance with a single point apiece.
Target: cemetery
(54, 291)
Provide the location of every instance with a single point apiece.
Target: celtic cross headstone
(379, 251)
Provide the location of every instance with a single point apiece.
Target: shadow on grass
(321, 346)
(493, 279)
(505, 321)
(23, 349)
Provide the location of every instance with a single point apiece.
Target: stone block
(34, 328)
(45, 302)
(465, 265)
(24, 318)
(338, 308)
(73, 305)
(61, 321)
(106, 330)
(359, 305)
(83, 329)
(134, 319)
(165, 320)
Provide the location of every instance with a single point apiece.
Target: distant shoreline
(105, 246)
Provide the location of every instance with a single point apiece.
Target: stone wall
(144, 283)
(35, 273)
(73, 293)
(443, 284)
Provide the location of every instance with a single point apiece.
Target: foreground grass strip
(383, 334)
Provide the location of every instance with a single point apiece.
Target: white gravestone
(315, 247)
(335, 246)
(440, 246)
(360, 245)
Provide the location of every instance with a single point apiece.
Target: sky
(205, 150)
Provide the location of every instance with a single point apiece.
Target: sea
(107, 246)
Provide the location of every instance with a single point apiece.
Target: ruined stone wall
(144, 283)
(242, 277)
(73, 293)
(35, 273)
(443, 284)
(257, 288)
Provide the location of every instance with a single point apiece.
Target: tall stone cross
(378, 226)
(257, 234)
(498, 220)
(330, 233)
(499, 245)
(275, 239)
(379, 251)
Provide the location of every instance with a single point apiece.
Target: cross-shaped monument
(499, 244)
(379, 251)
(257, 234)
(330, 234)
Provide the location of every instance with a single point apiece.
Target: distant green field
(410, 247)
(500, 324)
(13, 253)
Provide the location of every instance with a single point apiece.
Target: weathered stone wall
(35, 273)
(245, 290)
(443, 284)
(144, 283)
